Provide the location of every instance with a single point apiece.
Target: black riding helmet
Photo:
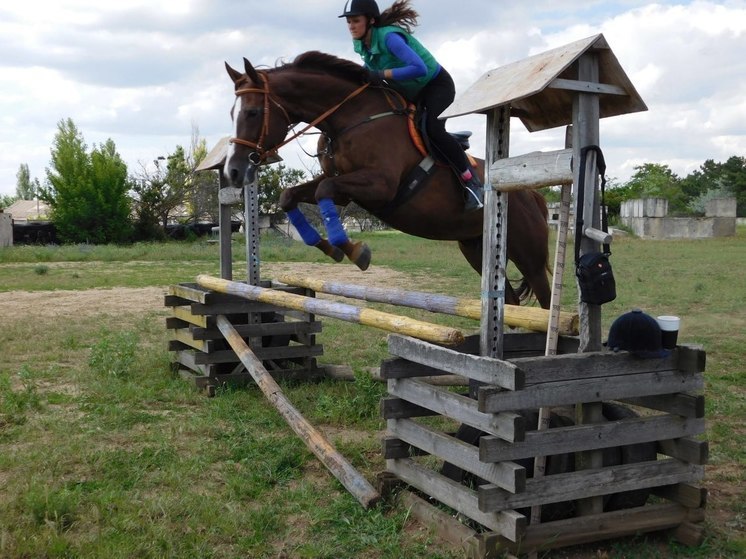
(361, 8)
(638, 333)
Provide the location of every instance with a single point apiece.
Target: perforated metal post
(251, 225)
(494, 245)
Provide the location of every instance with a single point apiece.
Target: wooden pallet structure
(498, 489)
(606, 471)
(283, 339)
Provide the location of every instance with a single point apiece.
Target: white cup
(669, 326)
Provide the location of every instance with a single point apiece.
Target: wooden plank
(185, 314)
(484, 369)
(576, 366)
(506, 475)
(690, 534)
(587, 529)
(263, 329)
(443, 524)
(397, 367)
(685, 405)
(687, 495)
(185, 337)
(685, 449)
(509, 524)
(584, 437)
(397, 408)
(532, 170)
(393, 448)
(692, 359)
(187, 359)
(507, 426)
(492, 400)
(190, 292)
(230, 308)
(587, 87)
(263, 353)
(589, 483)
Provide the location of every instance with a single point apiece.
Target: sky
(149, 74)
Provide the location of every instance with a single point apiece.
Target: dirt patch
(36, 305)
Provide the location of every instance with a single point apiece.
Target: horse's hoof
(334, 252)
(360, 255)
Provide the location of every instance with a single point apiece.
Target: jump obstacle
(618, 458)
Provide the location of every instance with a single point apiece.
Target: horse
(365, 151)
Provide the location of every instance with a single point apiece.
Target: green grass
(105, 452)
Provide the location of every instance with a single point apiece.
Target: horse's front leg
(289, 200)
(363, 185)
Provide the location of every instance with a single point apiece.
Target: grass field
(105, 452)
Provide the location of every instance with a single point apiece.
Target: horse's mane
(329, 64)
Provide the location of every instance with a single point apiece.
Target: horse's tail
(524, 291)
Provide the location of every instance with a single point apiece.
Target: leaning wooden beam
(350, 313)
(347, 475)
(530, 318)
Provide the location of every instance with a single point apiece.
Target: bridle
(261, 152)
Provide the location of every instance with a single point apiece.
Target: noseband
(263, 152)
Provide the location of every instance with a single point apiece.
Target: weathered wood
(492, 400)
(532, 170)
(586, 529)
(685, 405)
(191, 293)
(506, 475)
(684, 494)
(185, 337)
(690, 534)
(507, 426)
(584, 437)
(688, 450)
(692, 359)
(397, 408)
(576, 366)
(185, 314)
(347, 475)
(402, 368)
(509, 524)
(484, 369)
(530, 318)
(587, 87)
(263, 353)
(262, 329)
(394, 448)
(589, 483)
(349, 313)
(442, 523)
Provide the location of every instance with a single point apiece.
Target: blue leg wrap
(334, 230)
(306, 231)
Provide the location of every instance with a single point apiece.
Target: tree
(272, 181)
(653, 180)
(87, 193)
(26, 189)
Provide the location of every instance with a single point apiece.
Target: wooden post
(224, 227)
(347, 475)
(586, 114)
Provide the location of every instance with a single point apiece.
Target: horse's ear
(234, 74)
(253, 76)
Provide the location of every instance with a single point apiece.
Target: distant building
(23, 211)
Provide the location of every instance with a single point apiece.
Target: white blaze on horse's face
(235, 112)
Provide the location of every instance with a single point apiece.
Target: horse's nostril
(234, 175)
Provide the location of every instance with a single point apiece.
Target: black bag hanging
(593, 270)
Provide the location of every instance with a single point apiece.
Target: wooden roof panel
(524, 85)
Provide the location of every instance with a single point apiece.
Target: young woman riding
(390, 52)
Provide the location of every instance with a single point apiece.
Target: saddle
(417, 177)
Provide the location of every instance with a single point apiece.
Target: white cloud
(143, 74)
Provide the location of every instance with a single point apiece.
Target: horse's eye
(251, 113)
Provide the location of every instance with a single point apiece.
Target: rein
(258, 145)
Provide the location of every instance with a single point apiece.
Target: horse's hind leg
(289, 200)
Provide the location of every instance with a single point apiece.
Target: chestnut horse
(366, 153)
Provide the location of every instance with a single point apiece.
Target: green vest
(380, 58)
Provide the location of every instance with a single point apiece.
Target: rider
(391, 53)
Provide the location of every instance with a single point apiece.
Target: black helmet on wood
(361, 8)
